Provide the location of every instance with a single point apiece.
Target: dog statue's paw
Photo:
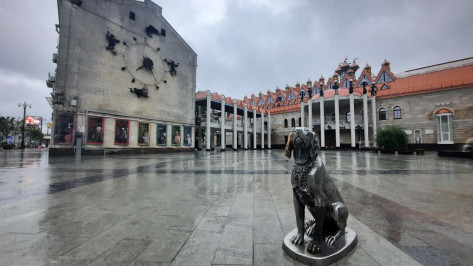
(313, 248)
(330, 240)
(298, 239)
(311, 230)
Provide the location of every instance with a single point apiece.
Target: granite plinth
(328, 255)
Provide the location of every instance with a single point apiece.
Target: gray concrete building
(125, 79)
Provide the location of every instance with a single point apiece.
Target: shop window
(397, 112)
(382, 113)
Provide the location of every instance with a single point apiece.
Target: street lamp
(24, 105)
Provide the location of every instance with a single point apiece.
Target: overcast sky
(248, 46)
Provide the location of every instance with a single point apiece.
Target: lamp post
(24, 105)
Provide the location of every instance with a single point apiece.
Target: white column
(235, 137)
(222, 126)
(269, 130)
(322, 122)
(207, 125)
(302, 113)
(245, 131)
(254, 128)
(352, 121)
(373, 113)
(337, 122)
(262, 129)
(309, 102)
(365, 119)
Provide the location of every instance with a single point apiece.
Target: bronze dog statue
(313, 187)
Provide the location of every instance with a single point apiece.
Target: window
(364, 79)
(253, 103)
(382, 113)
(285, 123)
(329, 86)
(397, 112)
(417, 136)
(261, 102)
(300, 122)
(293, 122)
(270, 100)
(132, 15)
(385, 87)
(345, 84)
(444, 128)
(384, 78)
(348, 117)
(279, 98)
(291, 96)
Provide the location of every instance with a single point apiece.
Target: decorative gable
(384, 77)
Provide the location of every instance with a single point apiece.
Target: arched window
(397, 112)
(300, 122)
(382, 113)
(285, 123)
(444, 126)
(348, 117)
(293, 122)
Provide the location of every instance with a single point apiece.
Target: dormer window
(261, 102)
(384, 78)
(279, 98)
(291, 96)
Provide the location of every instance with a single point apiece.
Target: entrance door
(330, 139)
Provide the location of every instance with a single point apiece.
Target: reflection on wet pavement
(208, 208)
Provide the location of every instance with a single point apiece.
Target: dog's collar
(301, 167)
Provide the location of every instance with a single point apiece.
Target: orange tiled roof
(448, 79)
(458, 76)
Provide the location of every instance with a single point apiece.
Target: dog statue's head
(304, 144)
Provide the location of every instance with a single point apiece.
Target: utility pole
(24, 105)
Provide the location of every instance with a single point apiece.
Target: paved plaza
(218, 208)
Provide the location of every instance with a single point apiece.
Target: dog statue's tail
(288, 146)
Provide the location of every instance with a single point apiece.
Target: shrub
(391, 138)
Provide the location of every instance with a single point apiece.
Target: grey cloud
(254, 48)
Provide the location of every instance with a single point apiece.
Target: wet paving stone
(212, 208)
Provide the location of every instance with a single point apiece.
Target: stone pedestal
(329, 254)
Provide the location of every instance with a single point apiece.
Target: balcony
(55, 58)
(51, 80)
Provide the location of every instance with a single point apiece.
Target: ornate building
(433, 104)
(125, 79)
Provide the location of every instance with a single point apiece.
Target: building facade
(433, 104)
(125, 79)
